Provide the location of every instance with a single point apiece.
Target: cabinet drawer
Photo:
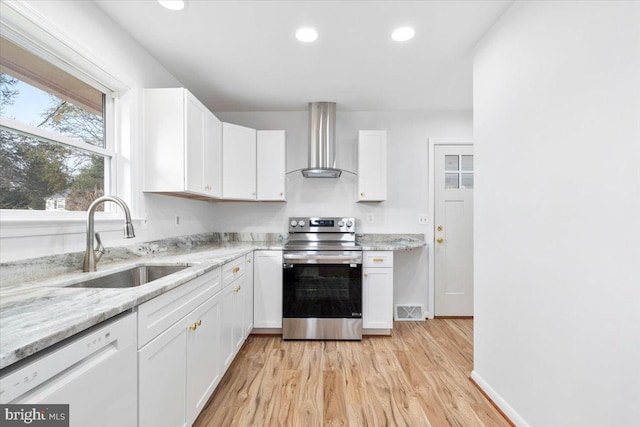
(377, 259)
(160, 313)
(233, 270)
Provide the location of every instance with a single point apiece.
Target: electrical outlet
(370, 218)
(423, 219)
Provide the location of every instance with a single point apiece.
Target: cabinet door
(248, 296)
(372, 165)
(227, 322)
(213, 156)
(238, 162)
(271, 155)
(267, 303)
(195, 145)
(238, 313)
(204, 365)
(377, 298)
(162, 379)
(164, 132)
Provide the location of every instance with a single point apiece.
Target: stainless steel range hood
(322, 144)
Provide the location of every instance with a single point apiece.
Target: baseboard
(453, 317)
(507, 411)
(266, 331)
(376, 332)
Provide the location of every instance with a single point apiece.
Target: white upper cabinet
(213, 156)
(372, 165)
(182, 145)
(271, 152)
(238, 162)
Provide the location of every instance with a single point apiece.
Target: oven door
(322, 285)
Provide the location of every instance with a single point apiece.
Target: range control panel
(322, 225)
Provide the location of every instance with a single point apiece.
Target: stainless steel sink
(132, 277)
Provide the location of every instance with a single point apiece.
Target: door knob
(439, 228)
(439, 240)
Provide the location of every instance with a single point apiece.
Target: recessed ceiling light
(306, 35)
(403, 34)
(172, 4)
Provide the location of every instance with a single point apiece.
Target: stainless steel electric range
(322, 280)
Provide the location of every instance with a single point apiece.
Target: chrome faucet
(91, 255)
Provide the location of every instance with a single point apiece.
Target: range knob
(341, 223)
(301, 223)
(349, 223)
(294, 222)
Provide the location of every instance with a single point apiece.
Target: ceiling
(243, 55)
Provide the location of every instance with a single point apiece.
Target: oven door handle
(307, 258)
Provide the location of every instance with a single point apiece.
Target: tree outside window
(39, 170)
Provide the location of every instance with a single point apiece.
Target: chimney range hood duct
(322, 144)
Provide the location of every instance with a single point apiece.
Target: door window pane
(451, 163)
(467, 163)
(466, 180)
(451, 180)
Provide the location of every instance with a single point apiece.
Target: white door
(453, 233)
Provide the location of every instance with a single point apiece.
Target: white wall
(407, 150)
(87, 30)
(557, 229)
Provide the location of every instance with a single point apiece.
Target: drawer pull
(195, 325)
(366, 274)
(235, 270)
(378, 259)
(237, 289)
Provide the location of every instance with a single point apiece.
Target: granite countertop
(37, 310)
(390, 242)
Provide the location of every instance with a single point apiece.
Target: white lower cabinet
(162, 379)
(377, 290)
(204, 369)
(248, 296)
(232, 320)
(182, 362)
(187, 339)
(267, 305)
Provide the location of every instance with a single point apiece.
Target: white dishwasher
(95, 373)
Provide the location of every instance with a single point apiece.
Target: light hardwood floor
(417, 377)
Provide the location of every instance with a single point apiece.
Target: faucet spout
(92, 256)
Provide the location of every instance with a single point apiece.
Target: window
(458, 171)
(54, 153)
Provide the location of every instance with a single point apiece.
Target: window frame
(24, 26)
